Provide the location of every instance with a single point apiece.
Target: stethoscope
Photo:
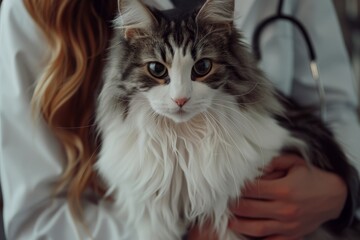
(310, 47)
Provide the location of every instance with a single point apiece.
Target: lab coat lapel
(242, 10)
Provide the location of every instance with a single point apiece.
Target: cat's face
(182, 92)
(182, 67)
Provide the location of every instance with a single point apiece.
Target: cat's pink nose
(181, 101)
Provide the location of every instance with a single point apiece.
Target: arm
(320, 21)
(31, 158)
(338, 80)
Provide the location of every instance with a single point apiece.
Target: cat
(186, 118)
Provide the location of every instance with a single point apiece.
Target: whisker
(256, 133)
(237, 103)
(225, 129)
(234, 144)
(212, 118)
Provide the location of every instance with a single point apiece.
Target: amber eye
(157, 70)
(202, 68)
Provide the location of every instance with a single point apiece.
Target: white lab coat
(30, 155)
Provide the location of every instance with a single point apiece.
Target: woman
(52, 59)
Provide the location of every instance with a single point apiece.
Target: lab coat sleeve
(30, 156)
(319, 18)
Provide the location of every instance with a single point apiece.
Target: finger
(265, 190)
(284, 163)
(255, 228)
(273, 175)
(281, 238)
(203, 232)
(271, 187)
(249, 208)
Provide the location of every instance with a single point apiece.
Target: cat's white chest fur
(166, 175)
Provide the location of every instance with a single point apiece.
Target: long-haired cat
(186, 118)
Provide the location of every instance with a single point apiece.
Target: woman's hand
(290, 201)
(205, 233)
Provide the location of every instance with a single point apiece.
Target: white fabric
(30, 156)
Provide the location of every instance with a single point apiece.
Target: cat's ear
(219, 12)
(134, 17)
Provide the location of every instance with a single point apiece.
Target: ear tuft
(134, 17)
(217, 12)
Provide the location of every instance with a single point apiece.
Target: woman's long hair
(77, 32)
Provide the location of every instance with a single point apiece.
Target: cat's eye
(157, 70)
(202, 68)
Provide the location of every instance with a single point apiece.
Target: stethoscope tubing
(260, 29)
(310, 47)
